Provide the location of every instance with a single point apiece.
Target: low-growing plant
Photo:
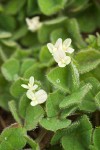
(50, 74)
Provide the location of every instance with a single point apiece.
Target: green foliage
(54, 124)
(13, 109)
(73, 92)
(12, 138)
(77, 139)
(10, 69)
(96, 137)
(33, 116)
(75, 98)
(51, 7)
(65, 79)
(32, 143)
(92, 61)
(52, 104)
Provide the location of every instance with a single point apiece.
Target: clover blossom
(31, 86)
(59, 51)
(36, 97)
(33, 24)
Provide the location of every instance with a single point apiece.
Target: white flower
(33, 24)
(37, 97)
(58, 51)
(31, 86)
(65, 46)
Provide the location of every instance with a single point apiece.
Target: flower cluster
(37, 97)
(33, 24)
(59, 51)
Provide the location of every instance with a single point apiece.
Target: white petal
(50, 47)
(25, 86)
(30, 94)
(56, 56)
(64, 62)
(41, 96)
(70, 50)
(60, 64)
(35, 87)
(67, 43)
(34, 103)
(35, 19)
(31, 80)
(58, 43)
(28, 21)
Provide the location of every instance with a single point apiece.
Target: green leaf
(16, 90)
(32, 7)
(91, 17)
(4, 93)
(4, 34)
(10, 69)
(65, 79)
(8, 23)
(97, 100)
(32, 143)
(12, 138)
(54, 124)
(45, 55)
(68, 111)
(60, 133)
(49, 26)
(76, 97)
(9, 43)
(33, 116)
(55, 34)
(23, 103)
(13, 109)
(35, 71)
(59, 78)
(96, 138)
(89, 63)
(89, 104)
(51, 7)
(27, 63)
(13, 7)
(52, 104)
(75, 82)
(80, 138)
(74, 32)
